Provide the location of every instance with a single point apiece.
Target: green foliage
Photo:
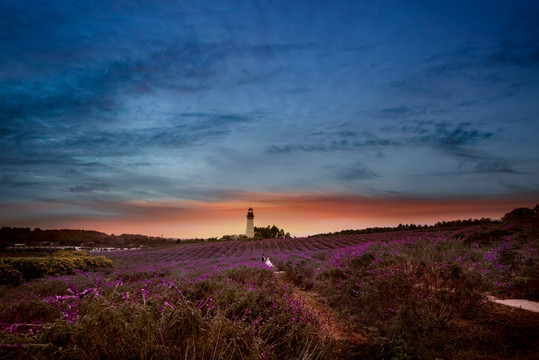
(270, 232)
(17, 270)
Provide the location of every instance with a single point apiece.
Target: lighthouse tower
(250, 232)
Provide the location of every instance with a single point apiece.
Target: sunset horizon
(300, 215)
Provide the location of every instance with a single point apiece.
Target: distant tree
(522, 214)
(269, 232)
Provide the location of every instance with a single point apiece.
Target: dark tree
(521, 215)
(269, 232)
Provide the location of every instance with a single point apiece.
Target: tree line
(518, 215)
(66, 237)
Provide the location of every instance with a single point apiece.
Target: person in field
(266, 260)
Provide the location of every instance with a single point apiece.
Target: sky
(174, 117)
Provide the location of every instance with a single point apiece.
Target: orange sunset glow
(300, 215)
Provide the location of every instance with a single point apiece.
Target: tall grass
(411, 296)
(237, 313)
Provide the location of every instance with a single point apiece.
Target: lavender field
(234, 253)
(404, 295)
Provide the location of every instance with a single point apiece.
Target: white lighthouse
(250, 231)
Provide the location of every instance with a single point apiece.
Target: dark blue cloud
(185, 66)
(496, 166)
(443, 135)
(89, 187)
(448, 136)
(401, 111)
(335, 145)
(519, 46)
(354, 172)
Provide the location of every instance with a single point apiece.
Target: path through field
(332, 327)
(518, 303)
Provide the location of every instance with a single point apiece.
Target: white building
(250, 231)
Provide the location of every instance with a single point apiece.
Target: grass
(237, 313)
(413, 295)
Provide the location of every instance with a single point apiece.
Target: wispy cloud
(441, 135)
(336, 141)
(353, 172)
(445, 135)
(89, 187)
(401, 111)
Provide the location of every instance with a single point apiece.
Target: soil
(332, 326)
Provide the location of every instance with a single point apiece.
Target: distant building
(250, 231)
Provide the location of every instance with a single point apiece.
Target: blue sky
(111, 109)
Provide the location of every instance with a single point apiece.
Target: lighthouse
(250, 231)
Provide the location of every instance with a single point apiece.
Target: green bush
(9, 274)
(17, 270)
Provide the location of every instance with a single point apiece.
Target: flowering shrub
(413, 293)
(236, 313)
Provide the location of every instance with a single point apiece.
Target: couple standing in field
(266, 260)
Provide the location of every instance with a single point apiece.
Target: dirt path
(331, 325)
(518, 303)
